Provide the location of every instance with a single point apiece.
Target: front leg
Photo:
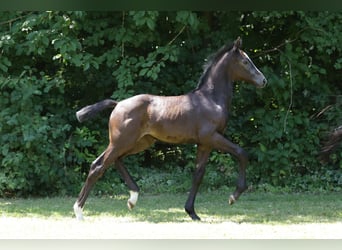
(201, 160)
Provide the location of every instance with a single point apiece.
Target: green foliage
(290, 122)
(53, 63)
(31, 132)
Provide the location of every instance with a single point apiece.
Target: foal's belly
(174, 132)
(176, 139)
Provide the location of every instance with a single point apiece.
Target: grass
(212, 207)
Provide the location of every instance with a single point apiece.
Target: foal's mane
(212, 60)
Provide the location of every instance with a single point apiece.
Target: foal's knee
(241, 154)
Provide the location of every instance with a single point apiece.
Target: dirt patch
(122, 228)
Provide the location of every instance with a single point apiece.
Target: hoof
(231, 200)
(130, 205)
(193, 215)
(78, 212)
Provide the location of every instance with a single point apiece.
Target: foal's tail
(91, 110)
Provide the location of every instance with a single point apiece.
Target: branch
(296, 37)
(123, 43)
(291, 98)
(178, 34)
(15, 19)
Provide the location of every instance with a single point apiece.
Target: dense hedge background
(53, 63)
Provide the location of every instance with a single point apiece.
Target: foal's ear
(237, 44)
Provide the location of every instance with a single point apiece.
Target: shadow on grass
(251, 208)
(211, 207)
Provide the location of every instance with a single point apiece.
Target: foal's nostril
(264, 81)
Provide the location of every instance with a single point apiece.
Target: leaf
(86, 66)
(143, 71)
(3, 67)
(262, 147)
(77, 60)
(150, 24)
(5, 149)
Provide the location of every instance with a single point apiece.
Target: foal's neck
(219, 86)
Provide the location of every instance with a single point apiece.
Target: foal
(198, 117)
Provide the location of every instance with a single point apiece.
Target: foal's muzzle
(261, 83)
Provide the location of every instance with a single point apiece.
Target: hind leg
(97, 169)
(133, 187)
(141, 145)
(224, 145)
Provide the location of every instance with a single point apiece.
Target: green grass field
(254, 208)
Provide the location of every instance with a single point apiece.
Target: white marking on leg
(132, 199)
(78, 211)
(231, 200)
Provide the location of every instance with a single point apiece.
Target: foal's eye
(245, 62)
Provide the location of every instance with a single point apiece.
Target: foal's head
(242, 67)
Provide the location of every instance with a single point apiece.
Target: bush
(53, 63)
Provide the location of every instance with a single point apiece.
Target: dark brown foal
(198, 117)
